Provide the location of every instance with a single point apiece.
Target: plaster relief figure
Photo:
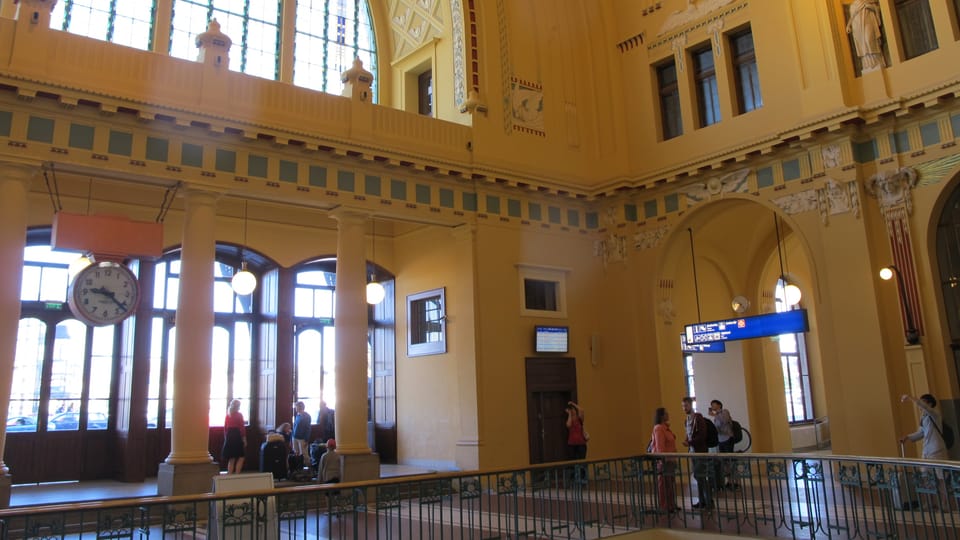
(864, 25)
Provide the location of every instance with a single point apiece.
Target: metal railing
(757, 495)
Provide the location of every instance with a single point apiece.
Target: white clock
(103, 293)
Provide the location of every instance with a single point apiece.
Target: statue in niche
(864, 25)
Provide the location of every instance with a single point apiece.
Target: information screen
(710, 347)
(770, 324)
(552, 338)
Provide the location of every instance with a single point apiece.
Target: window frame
(744, 62)
(543, 273)
(668, 100)
(705, 78)
(418, 341)
(924, 37)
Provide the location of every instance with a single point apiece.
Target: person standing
(325, 420)
(663, 441)
(696, 440)
(864, 26)
(576, 439)
(301, 431)
(724, 424)
(234, 438)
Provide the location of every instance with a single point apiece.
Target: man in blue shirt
(301, 431)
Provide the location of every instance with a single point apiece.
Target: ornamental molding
(892, 189)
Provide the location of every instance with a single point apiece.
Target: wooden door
(551, 383)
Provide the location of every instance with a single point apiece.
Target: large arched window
(63, 370)
(253, 25)
(232, 366)
(329, 35)
(126, 22)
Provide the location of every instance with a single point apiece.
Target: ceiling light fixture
(375, 291)
(244, 282)
(791, 292)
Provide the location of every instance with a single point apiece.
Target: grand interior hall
(548, 194)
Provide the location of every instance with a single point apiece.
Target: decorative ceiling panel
(412, 23)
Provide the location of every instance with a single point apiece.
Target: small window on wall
(427, 323)
(916, 27)
(543, 292)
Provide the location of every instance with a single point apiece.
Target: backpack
(713, 438)
(737, 431)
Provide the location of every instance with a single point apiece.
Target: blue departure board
(709, 347)
(770, 324)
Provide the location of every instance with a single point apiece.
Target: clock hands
(111, 295)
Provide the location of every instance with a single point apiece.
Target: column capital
(349, 216)
(18, 171)
(198, 195)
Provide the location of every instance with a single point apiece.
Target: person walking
(663, 441)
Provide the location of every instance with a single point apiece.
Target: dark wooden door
(551, 383)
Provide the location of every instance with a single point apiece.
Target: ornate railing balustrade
(756, 495)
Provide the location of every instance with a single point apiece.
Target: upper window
(252, 25)
(916, 27)
(705, 74)
(329, 35)
(745, 74)
(671, 121)
(127, 22)
(543, 291)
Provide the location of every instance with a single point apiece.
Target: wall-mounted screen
(552, 339)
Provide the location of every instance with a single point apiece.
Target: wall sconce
(375, 291)
(244, 282)
(912, 335)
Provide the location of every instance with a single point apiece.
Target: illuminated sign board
(770, 324)
(710, 347)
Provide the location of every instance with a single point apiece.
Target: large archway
(739, 248)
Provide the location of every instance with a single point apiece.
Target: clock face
(104, 293)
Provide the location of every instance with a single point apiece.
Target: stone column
(189, 468)
(357, 460)
(468, 444)
(14, 182)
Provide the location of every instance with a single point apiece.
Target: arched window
(315, 358)
(232, 367)
(63, 370)
(796, 369)
(253, 25)
(329, 35)
(126, 22)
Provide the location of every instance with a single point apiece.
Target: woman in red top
(234, 438)
(576, 439)
(665, 442)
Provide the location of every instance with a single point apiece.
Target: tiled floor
(64, 492)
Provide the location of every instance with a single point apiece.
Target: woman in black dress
(234, 438)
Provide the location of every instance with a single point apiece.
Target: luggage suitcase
(273, 459)
(902, 489)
